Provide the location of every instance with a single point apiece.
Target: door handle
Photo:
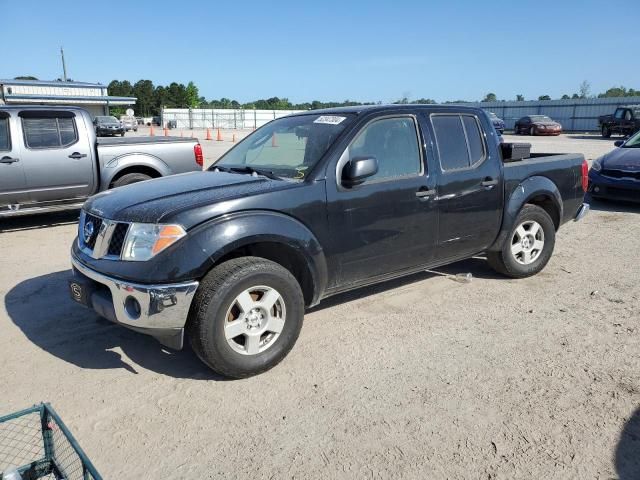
(9, 160)
(425, 193)
(77, 155)
(489, 182)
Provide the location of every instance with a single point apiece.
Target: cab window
(49, 132)
(5, 139)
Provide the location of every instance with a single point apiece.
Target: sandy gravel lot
(419, 378)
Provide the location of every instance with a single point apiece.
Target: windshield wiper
(248, 169)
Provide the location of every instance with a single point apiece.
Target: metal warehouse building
(574, 114)
(90, 96)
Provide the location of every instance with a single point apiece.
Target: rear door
(13, 185)
(469, 186)
(58, 159)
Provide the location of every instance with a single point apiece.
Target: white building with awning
(90, 96)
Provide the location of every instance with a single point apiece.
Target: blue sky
(330, 50)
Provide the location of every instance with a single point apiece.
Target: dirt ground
(419, 378)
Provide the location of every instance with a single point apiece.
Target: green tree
(143, 91)
(25, 77)
(565, 97)
(192, 96)
(544, 97)
(519, 98)
(490, 97)
(585, 89)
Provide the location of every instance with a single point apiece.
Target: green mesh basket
(39, 445)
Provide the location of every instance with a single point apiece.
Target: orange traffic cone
(274, 142)
(219, 137)
(151, 132)
(233, 139)
(209, 137)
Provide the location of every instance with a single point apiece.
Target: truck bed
(564, 170)
(120, 141)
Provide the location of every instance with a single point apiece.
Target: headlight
(597, 164)
(541, 127)
(145, 240)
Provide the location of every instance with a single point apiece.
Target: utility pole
(64, 66)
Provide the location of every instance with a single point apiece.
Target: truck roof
(381, 108)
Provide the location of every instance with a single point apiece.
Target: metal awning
(69, 99)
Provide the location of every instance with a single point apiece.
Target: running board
(17, 211)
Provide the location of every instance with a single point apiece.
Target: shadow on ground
(34, 222)
(600, 205)
(577, 136)
(42, 309)
(628, 450)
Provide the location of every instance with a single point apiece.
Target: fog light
(132, 307)
(596, 189)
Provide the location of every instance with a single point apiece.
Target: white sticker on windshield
(329, 119)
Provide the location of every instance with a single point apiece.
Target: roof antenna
(64, 66)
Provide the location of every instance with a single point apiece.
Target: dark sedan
(616, 175)
(108, 125)
(537, 125)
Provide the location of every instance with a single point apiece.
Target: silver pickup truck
(50, 159)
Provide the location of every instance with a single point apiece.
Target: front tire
(528, 247)
(246, 316)
(606, 133)
(532, 131)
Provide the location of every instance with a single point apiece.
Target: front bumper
(625, 189)
(157, 310)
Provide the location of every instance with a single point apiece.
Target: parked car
(497, 122)
(50, 159)
(108, 126)
(308, 206)
(537, 125)
(616, 175)
(624, 121)
(129, 123)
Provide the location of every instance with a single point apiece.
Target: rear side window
(49, 132)
(5, 139)
(459, 141)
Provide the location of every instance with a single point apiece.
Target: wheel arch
(536, 190)
(270, 235)
(132, 163)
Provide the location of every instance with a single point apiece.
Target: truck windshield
(288, 147)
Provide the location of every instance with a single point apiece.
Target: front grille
(90, 241)
(117, 239)
(620, 174)
(100, 237)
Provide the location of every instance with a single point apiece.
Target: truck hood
(627, 159)
(163, 199)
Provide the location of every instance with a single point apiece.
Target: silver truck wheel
(528, 247)
(255, 320)
(527, 243)
(246, 316)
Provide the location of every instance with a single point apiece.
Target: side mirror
(358, 169)
(618, 143)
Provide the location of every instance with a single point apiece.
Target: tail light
(585, 176)
(197, 152)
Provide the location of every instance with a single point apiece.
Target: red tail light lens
(585, 176)
(197, 151)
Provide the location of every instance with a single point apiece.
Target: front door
(13, 185)
(469, 187)
(388, 223)
(59, 160)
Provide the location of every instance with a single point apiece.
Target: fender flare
(532, 187)
(127, 160)
(220, 236)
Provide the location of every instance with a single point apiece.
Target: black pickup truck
(624, 121)
(308, 206)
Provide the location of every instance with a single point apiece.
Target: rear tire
(230, 328)
(129, 178)
(528, 247)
